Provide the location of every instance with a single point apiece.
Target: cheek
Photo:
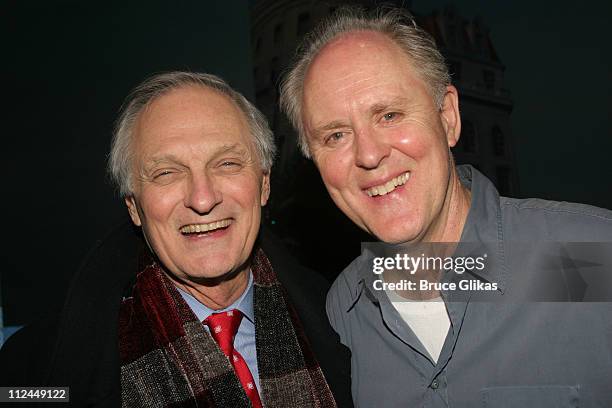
(245, 191)
(414, 142)
(241, 199)
(335, 170)
(158, 206)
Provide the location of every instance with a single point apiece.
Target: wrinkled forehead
(355, 56)
(358, 67)
(356, 49)
(192, 108)
(191, 100)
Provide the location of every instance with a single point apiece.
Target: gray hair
(397, 24)
(121, 154)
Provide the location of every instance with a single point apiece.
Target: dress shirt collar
(244, 303)
(484, 225)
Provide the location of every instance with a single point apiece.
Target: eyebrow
(230, 148)
(380, 107)
(154, 161)
(327, 127)
(375, 109)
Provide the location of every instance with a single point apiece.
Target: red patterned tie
(223, 327)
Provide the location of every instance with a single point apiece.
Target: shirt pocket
(541, 396)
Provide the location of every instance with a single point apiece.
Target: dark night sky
(68, 67)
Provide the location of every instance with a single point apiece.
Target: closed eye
(229, 164)
(165, 176)
(162, 174)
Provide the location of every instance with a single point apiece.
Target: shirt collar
(244, 303)
(484, 224)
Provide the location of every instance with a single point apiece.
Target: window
(274, 69)
(489, 78)
(451, 36)
(258, 46)
(303, 24)
(468, 137)
(455, 70)
(499, 144)
(504, 182)
(278, 34)
(479, 41)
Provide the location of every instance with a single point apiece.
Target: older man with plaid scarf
(206, 321)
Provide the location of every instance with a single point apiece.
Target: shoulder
(344, 292)
(77, 345)
(559, 221)
(25, 356)
(557, 208)
(345, 287)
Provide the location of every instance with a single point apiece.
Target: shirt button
(435, 384)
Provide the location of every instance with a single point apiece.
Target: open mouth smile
(194, 229)
(389, 186)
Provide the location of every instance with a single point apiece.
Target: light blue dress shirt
(244, 342)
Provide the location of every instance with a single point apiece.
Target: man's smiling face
(377, 137)
(198, 183)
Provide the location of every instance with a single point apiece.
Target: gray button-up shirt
(543, 339)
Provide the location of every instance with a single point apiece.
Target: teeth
(389, 186)
(194, 228)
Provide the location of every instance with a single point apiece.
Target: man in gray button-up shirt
(372, 102)
(521, 352)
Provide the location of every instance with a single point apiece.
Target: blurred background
(534, 80)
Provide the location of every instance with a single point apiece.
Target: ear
(449, 114)
(265, 188)
(133, 210)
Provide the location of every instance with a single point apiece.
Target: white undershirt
(428, 319)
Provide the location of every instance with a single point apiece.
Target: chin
(393, 236)
(202, 269)
(392, 240)
(208, 277)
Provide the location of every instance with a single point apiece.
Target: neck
(219, 294)
(454, 212)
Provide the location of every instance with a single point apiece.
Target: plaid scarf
(168, 359)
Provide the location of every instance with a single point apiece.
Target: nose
(202, 195)
(370, 149)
